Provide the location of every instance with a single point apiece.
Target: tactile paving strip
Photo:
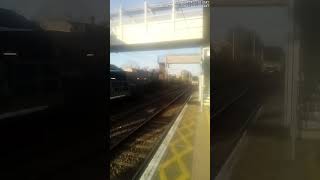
(177, 163)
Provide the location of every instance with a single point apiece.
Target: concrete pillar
(291, 81)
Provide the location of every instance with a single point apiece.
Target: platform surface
(268, 151)
(185, 152)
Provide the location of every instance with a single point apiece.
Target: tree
(131, 64)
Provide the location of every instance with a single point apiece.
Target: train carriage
(119, 86)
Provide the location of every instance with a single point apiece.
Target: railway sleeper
(143, 147)
(149, 135)
(127, 125)
(124, 164)
(135, 154)
(150, 141)
(132, 160)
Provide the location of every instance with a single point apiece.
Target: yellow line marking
(152, 166)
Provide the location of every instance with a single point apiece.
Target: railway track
(135, 142)
(229, 118)
(142, 106)
(121, 128)
(229, 124)
(226, 102)
(137, 99)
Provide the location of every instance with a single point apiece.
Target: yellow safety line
(177, 156)
(154, 164)
(184, 137)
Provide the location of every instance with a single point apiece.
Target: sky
(149, 59)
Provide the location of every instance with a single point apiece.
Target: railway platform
(185, 151)
(267, 156)
(265, 150)
(267, 153)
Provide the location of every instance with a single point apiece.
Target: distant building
(185, 75)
